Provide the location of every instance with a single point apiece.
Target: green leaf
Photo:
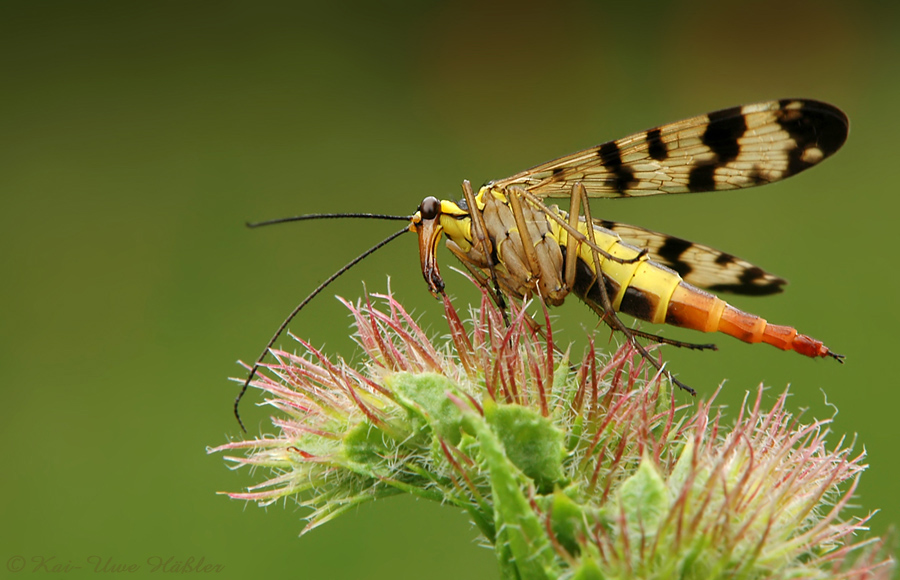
(531, 442)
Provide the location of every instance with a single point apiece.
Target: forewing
(728, 149)
(699, 265)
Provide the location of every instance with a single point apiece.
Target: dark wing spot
(655, 147)
(671, 252)
(795, 162)
(722, 134)
(724, 259)
(751, 284)
(773, 287)
(610, 154)
(756, 177)
(819, 123)
(702, 178)
(557, 171)
(612, 159)
(751, 275)
(815, 124)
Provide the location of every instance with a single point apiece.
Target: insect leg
(673, 342)
(481, 238)
(572, 245)
(524, 234)
(655, 337)
(610, 316)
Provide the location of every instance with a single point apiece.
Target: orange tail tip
(787, 338)
(690, 307)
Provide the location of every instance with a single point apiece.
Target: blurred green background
(136, 138)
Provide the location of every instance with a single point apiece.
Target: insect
(516, 245)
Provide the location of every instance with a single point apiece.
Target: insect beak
(429, 231)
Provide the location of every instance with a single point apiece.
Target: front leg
(482, 242)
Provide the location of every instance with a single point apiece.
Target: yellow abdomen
(650, 291)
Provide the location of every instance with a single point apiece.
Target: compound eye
(430, 208)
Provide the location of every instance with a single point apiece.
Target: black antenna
(321, 287)
(321, 216)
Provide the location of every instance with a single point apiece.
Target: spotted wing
(729, 149)
(699, 265)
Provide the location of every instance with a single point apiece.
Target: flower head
(587, 470)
